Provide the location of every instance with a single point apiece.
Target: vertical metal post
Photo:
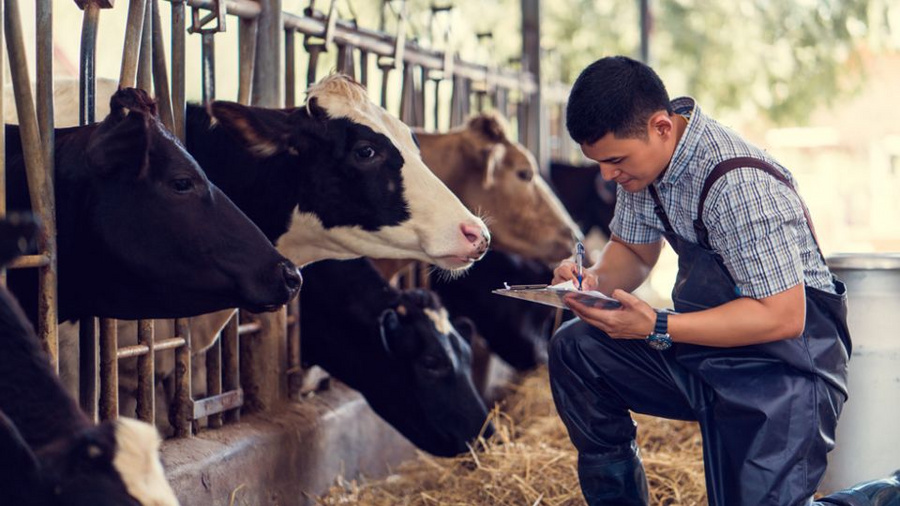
(535, 139)
(267, 78)
(132, 46)
(646, 21)
(184, 404)
(109, 370)
(146, 396)
(87, 64)
(231, 375)
(208, 73)
(247, 42)
(178, 35)
(40, 184)
(364, 68)
(145, 54)
(89, 367)
(290, 68)
(214, 378)
(160, 72)
(44, 84)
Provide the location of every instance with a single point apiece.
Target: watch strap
(662, 323)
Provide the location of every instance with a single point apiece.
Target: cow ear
(389, 325)
(489, 126)
(264, 132)
(21, 473)
(122, 141)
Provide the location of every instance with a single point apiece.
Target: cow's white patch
(440, 320)
(137, 461)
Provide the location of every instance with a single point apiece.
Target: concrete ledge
(285, 456)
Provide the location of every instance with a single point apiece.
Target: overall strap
(658, 209)
(735, 163)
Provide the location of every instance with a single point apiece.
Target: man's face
(634, 162)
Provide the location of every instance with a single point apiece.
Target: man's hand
(567, 271)
(634, 320)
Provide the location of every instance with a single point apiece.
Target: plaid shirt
(756, 224)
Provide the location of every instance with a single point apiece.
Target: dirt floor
(530, 461)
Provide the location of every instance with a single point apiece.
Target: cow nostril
(473, 234)
(292, 277)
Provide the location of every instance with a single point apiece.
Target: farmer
(757, 352)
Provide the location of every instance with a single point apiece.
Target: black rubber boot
(884, 492)
(613, 478)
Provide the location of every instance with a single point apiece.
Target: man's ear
(661, 124)
(122, 140)
(264, 132)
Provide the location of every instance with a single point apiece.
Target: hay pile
(530, 461)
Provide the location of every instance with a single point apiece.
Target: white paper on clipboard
(552, 295)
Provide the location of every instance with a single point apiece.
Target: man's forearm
(624, 266)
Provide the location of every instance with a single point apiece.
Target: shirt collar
(690, 139)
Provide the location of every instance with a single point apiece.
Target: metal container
(868, 441)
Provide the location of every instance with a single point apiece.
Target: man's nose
(608, 172)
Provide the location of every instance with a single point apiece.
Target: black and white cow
(395, 347)
(587, 196)
(516, 330)
(50, 453)
(142, 233)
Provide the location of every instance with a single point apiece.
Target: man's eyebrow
(610, 159)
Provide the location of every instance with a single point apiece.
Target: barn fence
(238, 366)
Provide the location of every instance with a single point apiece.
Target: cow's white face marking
(137, 461)
(433, 232)
(440, 319)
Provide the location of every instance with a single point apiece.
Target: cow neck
(265, 189)
(30, 393)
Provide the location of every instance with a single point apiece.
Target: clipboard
(553, 295)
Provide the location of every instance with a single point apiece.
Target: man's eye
(365, 153)
(182, 185)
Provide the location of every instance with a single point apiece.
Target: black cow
(141, 231)
(395, 347)
(587, 196)
(516, 330)
(50, 453)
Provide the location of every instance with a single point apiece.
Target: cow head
(112, 464)
(363, 189)
(497, 177)
(444, 411)
(165, 241)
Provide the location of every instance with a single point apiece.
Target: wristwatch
(659, 339)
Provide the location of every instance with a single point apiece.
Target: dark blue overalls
(767, 412)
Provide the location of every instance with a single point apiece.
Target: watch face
(659, 341)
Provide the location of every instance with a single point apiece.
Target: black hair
(614, 94)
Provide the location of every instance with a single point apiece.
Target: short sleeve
(757, 225)
(628, 225)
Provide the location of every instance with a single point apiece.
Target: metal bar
(249, 328)
(87, 64)
(345, 64)
(646, 22)
(211, 406)
(169, 344)
(135, 350)
(213, 380)
(247, 35)
(39, 180)
(290, 69)
(420, 97)
(267, 78)
(240, 8)
(312, 67)
(384, 45)
(407, 97)
(160, 72)
(437, 105)
(109, 370)
(29, 261)
(536, 118)
(364, 68)
(89, 367)
(208, 71)
(44, 79)
(385, 77)
(145, 54)
(146, 397)
(131, 48)
(178, 79)
(183, 404)
(231, 364)
(295, 380)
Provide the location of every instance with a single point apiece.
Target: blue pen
(579, 262)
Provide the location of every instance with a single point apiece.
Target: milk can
(868, 439)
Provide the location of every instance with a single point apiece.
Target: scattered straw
(530, 461)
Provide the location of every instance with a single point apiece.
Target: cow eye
(182, 185)
(365, 153)
(524, 175)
